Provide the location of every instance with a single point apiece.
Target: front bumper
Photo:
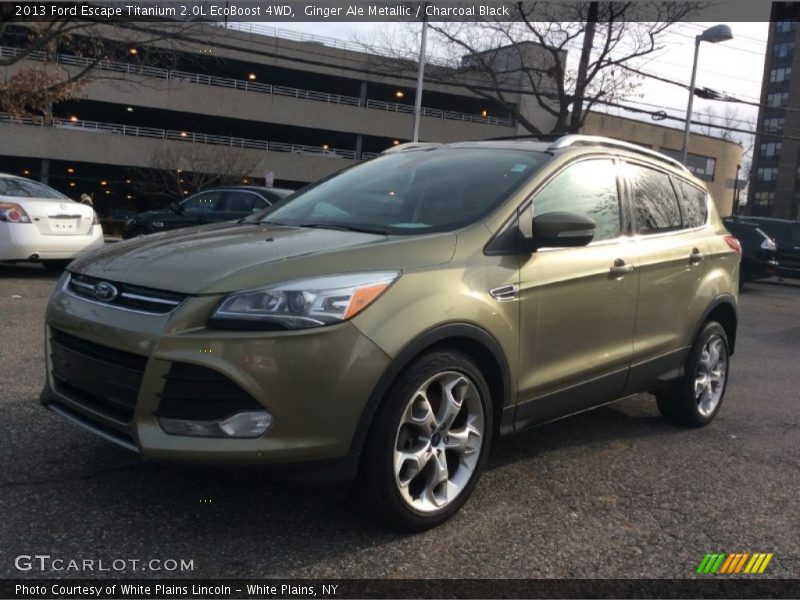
(21, 241)
(315, 383)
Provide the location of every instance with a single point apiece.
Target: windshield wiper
(343, 227)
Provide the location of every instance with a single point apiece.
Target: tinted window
(587, 188)
(655, 205)
(25, 188)
(239, 202)
(200, 203)
(413, 192)
(693, 205)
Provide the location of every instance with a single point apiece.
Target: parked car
(390, 321)
(40, 224)
(758, 250)
(786, 235)
(209, 206)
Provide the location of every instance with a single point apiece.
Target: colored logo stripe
(728, 564)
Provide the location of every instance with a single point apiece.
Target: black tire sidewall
(378, 470)
(688, 400)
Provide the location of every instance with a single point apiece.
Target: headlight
(303, 303)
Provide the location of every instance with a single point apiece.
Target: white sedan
(39, 224)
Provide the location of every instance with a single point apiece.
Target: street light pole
(420, 77)
(718, 33)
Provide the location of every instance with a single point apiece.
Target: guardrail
(253, 86)
(184, 136)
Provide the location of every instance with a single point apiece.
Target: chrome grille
(128, 297)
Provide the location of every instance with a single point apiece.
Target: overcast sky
(734, 67)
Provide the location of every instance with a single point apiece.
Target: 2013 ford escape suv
(390, 321)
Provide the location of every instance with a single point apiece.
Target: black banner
(231, 589)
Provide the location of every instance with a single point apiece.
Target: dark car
(209, 206)
(787, 239)
(758, 250)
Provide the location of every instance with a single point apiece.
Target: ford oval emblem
(105, 292)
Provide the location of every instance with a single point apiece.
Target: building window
(702, 167)
(777, 100)
(771, 150)
(785, 26)
(767, 173)
(782, 50)
(764, 198)
(780, 74)
(774, 124)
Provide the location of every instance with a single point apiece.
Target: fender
(414, 349)
(728, 300)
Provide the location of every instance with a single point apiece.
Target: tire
(682, 402)
(55, 265)
(138, 232)
(413, 423)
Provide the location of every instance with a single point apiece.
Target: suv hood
(229, 257)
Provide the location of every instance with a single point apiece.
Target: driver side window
(586, 188)
(202, 203)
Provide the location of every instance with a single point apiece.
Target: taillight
(734, 244)
(768, 244)
(13, 213)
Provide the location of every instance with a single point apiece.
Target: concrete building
(775, 177)
(713, 160)
(274, 105)
(296, 109)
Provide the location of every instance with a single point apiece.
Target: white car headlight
(303, 303)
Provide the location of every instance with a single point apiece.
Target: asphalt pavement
(614, 492)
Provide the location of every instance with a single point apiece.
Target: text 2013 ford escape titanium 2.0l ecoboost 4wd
(390, 321)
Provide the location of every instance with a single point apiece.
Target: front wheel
(695, 399)
(429, 442)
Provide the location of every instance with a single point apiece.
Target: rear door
(673, 255)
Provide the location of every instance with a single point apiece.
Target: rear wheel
(55, 265)
(695, 399)
(429, 442)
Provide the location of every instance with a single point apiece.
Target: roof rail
(568, 141)
(409, 146)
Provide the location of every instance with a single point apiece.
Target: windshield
(412, 192)
(25, 188)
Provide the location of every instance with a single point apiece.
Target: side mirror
(561, 230)
(176, 207)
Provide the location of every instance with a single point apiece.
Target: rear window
(694, 204)
(25, 188)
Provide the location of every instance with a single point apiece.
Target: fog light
(241, 425)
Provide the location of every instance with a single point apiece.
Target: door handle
(696, 256)
(620, 268)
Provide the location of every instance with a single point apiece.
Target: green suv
(387, 323)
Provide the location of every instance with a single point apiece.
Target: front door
(578, 305)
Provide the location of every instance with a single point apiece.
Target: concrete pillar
(45, 171)
(359, 146)
(363, 94)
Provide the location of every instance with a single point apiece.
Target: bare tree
(503, 62)
(178, 169)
